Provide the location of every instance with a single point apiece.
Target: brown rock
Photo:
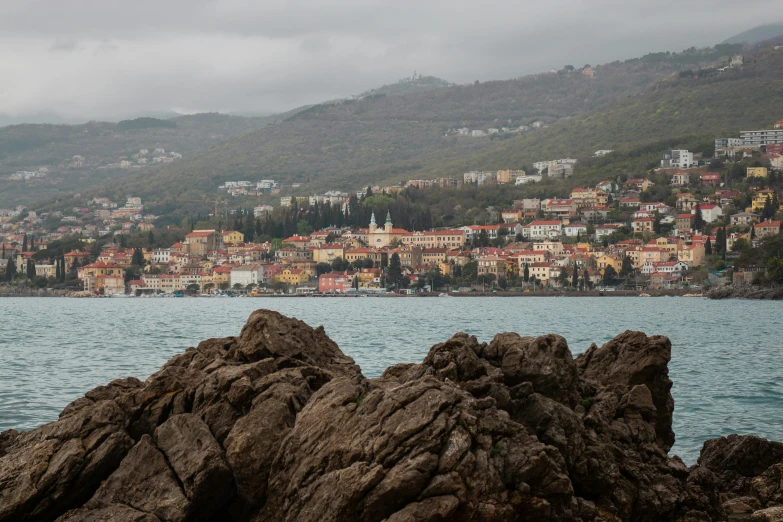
(279, 425)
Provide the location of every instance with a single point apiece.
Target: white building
(245, 275)
(262, 210)
(677, 159)
(727, 143)
(709, 212)
(521, 180)
(575, 229)
(545, 228)
(762, 137)
(161, 256)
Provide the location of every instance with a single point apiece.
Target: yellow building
(642, 225)
(433, 256)
(589, 197)
(692, 255)
(199, 242)
(604, 260)
(760, 199)
(232, 236)
(328, 252)
(757, 172)
(291, 276)
(220, 275)
(368, 277)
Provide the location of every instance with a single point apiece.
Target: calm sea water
(726, 361)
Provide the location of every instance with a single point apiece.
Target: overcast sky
(108, 59)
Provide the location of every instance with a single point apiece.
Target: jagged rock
(279, 425)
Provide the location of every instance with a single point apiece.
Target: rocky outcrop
(744, 292)
(279, 425)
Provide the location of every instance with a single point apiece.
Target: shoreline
(621, 293)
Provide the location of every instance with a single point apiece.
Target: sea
(727, 356)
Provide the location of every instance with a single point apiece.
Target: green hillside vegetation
(30, 146)
(408, 86)
(756, 34)
(381, 139)
(145, 123)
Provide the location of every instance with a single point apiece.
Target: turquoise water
(726, 361)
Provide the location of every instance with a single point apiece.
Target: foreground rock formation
(279, 425)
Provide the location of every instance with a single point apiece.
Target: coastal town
(678, 228)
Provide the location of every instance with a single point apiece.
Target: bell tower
(373, 226)
(388, 226)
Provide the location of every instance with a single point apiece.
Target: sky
(78, 60)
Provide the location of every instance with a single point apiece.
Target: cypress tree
(708, 247)
(10, 270)
(24, 243)
(526, 273)
(698, 220)
(575, 277)
(57, 269)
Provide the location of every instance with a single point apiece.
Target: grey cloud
(67, 44)
(114, 58)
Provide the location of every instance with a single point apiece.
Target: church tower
(388, 226)
(373, 226)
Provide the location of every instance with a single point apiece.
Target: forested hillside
(103, 145)
(383, 139)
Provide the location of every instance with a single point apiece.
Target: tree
(768, 212)
(237, 286)
(609, 273)
(483, 239)
(526, 273)
(395, 270)
(303, 228)
(355, 283)
(708, 247)
(57, 269)
(151, 239)
(138, 258)
(208, 287)
(486, 279)
(322, 268)
(502, 283)
(192, 288)
(586, 280)
(10, 270)
(562, 278)
(698, 219)
(24, 243)
(575, 277)
(339, 264)
(30, 269)
(627, 268)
